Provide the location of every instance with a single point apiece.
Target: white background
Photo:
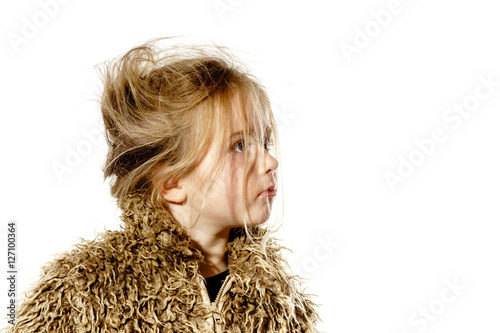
(377, 258)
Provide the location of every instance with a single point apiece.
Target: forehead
(249, 116)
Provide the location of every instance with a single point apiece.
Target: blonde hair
(163, 107)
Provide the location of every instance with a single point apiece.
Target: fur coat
(144, 278)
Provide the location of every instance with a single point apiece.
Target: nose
(270, 164)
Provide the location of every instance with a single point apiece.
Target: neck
(213, 248)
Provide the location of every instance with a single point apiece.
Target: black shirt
(214, 283)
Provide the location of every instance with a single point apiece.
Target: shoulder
(73, 286)
(87, 259)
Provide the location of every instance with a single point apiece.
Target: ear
(173, 192)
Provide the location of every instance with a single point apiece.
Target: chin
(255, 222)
(263, 219)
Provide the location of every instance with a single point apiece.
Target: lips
(270, 192)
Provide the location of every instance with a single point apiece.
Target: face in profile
(237, 188)
(226, 202)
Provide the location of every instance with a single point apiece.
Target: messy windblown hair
(163, 107)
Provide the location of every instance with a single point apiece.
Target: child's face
(224, 207)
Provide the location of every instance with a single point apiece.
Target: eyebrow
(252, 131)
(236, 133)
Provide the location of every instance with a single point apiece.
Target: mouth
(270, 192)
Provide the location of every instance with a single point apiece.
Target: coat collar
(150, 223)
(261, 287)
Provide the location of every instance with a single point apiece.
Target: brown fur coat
(144, 278)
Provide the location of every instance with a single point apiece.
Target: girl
(190, 160)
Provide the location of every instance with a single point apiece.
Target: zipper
(217, 321)
(216, 305)
(221, 290)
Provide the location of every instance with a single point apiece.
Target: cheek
(235, 176)
(238, 180)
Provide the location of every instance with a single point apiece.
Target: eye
(238, 145)
(269, 143)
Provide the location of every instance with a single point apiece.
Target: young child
(190, 160)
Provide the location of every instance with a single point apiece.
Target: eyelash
(269, 143)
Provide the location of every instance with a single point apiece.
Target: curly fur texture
(144, 278)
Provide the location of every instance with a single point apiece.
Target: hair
(163, 107)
